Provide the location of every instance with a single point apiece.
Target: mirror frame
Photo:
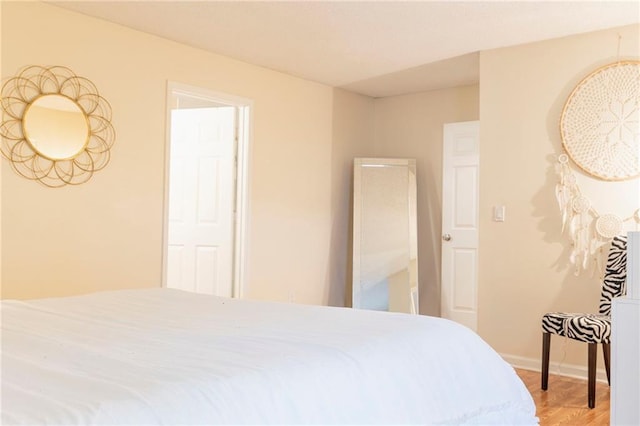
(19, 93)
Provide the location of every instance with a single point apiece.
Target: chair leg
(606, 352)
(546, 345)
(591, 371)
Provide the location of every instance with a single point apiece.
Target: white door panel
(200, 230)
(460, 223)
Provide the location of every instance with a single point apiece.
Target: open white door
(201, 200)
(460, 169)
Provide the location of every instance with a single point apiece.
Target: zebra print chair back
(615, 276)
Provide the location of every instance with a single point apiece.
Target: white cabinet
(625, 344)
(625, 362)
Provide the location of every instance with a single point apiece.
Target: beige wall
(524, 268)
(352, 137)
(411, 126)
(1, 164)
(107, 234)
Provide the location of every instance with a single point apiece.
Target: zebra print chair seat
(588, 328)
(592, 329)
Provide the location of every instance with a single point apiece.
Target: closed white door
(461, 162)
(201, 200)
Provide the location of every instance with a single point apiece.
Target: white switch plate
(498, 213)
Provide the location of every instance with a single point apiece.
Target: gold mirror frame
(33, 83)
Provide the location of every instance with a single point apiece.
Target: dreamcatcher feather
(588, 230)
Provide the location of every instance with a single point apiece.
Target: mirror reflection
(385, 274)
(56, 127)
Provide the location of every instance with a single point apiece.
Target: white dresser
(625, 344)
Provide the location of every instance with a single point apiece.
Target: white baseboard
(568, 370)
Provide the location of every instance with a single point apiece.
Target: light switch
(498, 213)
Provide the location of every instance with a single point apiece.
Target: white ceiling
(377, 48)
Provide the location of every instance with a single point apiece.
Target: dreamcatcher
(600, 129)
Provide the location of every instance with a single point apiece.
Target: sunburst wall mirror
(56, 129)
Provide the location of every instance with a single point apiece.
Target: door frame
(242, 162)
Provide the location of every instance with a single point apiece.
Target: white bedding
(162, 356)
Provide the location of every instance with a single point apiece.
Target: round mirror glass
(56, 127)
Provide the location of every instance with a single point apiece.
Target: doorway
(205, 191)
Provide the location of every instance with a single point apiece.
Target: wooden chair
(592, 329)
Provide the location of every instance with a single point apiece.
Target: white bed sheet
(161, 356)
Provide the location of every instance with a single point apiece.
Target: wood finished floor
(565, 402)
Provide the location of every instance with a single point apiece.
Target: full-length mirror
(385, 253)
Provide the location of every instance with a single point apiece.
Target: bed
(162, 356)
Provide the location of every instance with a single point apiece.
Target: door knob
(446, 237)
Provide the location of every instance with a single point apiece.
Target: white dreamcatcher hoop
(600, 122)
